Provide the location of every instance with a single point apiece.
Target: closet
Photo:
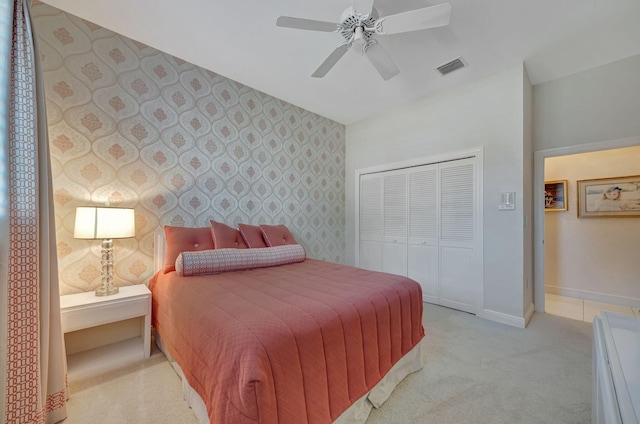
(420, 222)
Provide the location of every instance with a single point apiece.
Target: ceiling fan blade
(363, 7)
(330, 61)
(308, 24)
(383, 63)
(413, 20)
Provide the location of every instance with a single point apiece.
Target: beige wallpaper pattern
(139, 128)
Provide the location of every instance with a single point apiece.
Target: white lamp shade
(104, 223)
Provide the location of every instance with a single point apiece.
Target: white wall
(487, 113)
(594, 258)
(592, 110)
(591, 106)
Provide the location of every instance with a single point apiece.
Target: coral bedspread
(296, 343)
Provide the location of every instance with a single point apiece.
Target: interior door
(458, 264)
(423, 230)
(371, 222)
(394, 239)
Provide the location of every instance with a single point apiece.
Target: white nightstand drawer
(80, 317)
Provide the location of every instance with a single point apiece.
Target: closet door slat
(395, 205)
(371, 207)
(423, 203)
(456, 203)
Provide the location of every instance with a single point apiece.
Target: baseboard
(631, 302)
(507, 319)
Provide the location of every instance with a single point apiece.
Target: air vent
(449, 67)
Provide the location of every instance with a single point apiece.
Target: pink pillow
(277, 235)
(183, 239)
(252, 235)
(225, 237)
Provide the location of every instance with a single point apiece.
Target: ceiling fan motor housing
(351, 20)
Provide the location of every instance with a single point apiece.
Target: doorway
(540, 157)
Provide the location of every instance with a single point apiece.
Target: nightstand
(86, 310)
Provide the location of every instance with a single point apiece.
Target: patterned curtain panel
(32, 363)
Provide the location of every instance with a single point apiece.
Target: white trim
(529, 313)
(511, 320)
(478, 154)
(480, 222)
(159, 250)
(425, 160)
(538, 202)
(632, 302)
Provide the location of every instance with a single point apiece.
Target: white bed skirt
(356, 414)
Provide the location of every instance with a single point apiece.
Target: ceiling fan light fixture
(358, 37)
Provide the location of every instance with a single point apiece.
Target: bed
(266, 335)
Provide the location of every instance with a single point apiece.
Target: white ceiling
(239, 39)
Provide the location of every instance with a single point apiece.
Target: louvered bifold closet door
(371, 222)
(394, 241)
(423, 229)
(458, 266)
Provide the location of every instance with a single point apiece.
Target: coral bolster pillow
(225, 237)
(252, 235)
(277, 235)
(216, 261)
(182, 239)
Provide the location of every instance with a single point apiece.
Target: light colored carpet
(476, 371)
(144, 392)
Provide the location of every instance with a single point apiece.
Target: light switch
(507, 201)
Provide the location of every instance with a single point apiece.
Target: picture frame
(615, 197)
(556, 196)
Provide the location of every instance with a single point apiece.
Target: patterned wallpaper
(139, 128)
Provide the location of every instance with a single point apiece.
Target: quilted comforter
(296, 343)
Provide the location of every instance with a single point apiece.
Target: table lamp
(107, 224)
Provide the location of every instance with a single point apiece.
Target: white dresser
(616, 369)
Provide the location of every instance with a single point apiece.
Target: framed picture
(617, 197)
(555, 196)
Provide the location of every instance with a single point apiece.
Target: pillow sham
(277, 235)
(217, 261)
(252, 235)
(225, 237)
(182, 239)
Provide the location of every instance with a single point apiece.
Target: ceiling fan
(360, 23)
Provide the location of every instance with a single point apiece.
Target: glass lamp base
(106, 290)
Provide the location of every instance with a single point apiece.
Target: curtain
(32, 360)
